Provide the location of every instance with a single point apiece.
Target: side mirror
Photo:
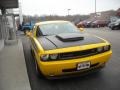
(81, 29)
(29, 33)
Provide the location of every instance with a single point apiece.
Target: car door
(32, 39)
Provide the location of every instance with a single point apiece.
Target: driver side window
(34, 30)
(38, 33)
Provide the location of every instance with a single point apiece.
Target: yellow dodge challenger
(62, 50)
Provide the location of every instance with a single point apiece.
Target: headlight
(106, 48)
(53, 56)
(45, 57)
(116, 23)
(100, 49)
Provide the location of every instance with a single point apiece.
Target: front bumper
(77, 74)
(68, 67)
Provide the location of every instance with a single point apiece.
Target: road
(107, 79)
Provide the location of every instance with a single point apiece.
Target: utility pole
(20, 13)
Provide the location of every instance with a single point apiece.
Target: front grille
(78, 54)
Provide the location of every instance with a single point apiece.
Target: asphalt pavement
(107, 79)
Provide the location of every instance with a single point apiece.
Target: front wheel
(112, 28)
(38, 72)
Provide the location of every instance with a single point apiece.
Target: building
(118, 12)
(7, 20)
(105, 15)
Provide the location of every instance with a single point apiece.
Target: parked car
(110, 25)
(81, 24)
(99, 23)
(61, 50)
(26, 26)
(88, 24)
(115, 25)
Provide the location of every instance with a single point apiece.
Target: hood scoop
(70, 37)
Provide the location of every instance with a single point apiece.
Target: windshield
(57, 28)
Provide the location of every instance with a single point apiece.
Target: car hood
(67, 40)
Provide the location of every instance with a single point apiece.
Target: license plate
(83, 65)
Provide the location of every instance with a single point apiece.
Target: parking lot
(107, 79)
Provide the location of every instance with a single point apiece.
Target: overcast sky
(60, 7)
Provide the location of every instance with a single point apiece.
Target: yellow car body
(68, 67)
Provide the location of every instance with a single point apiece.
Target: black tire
(112, 28)
(32, 52)
(37, 70)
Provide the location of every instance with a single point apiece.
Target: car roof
(49, 22)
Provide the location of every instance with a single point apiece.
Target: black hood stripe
(46, 43)
(52, 42)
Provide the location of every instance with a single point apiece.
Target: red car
(82, 24)
(99, 23)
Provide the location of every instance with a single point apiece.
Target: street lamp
(68, 11)
(95, 10)
(95, 6)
